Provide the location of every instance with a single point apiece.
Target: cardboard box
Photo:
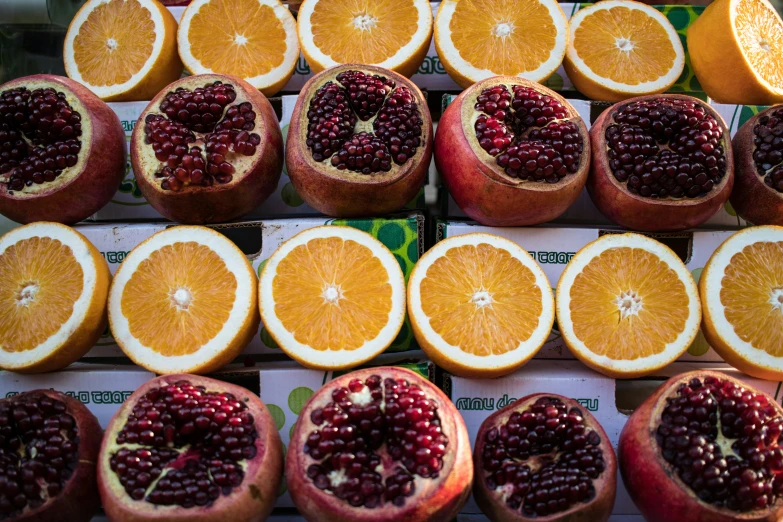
(583, 211)
(403, 235)
(554, 246)
(610, 401)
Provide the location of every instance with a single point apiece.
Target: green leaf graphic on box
(554, 82)
(746, 113)
(298, 397)
(277, 414)
(290, 196)
(729, 209)
(267, 339)
(261, 266)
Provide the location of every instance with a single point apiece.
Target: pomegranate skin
(196, 205)
(597, 510)
(479, 186)
(658, 492)
(79, 500)
(433, 502)
(647, 214)
(753, 200)
(102, 170)
(352, 194)
(252, 501)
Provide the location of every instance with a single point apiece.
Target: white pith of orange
(332, 297)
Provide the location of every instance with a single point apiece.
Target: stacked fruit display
(379, 442)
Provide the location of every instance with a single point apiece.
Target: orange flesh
(337, 28)
(759, 31)
(595, 312)
(478, 31)
(114, 42)
(602, 36)
(240, 37)
(747, 288)
(149, 298)
(448, 294)
(345, 272)
(41, 282)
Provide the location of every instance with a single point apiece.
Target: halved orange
(627, 305)
(480, 306)
(742, 293)
(184, 301)
(736, 48)
(394, 34)
(618, 49)
(252, 39)
(477, 39)
(53, 288)
(123, 50)
(332, 297)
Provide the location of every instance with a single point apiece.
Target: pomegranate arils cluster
(666, 148)
(373, 440)
(39, 136)
(544, 458)
(528, 133)
(698, 426)
(335, 110)
(768, 153)
(197, 135)
(184, 445)
(39, 447)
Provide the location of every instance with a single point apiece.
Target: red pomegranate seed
(768, 152)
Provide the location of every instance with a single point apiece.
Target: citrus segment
(476, 39)
(53, 287)
(332, 297)
(252, 39)
(760, 34)
(627, 305)
(394, 34)
(622, 48)
(184, 300)
(122, 49)
(742, 290)
(479, 304)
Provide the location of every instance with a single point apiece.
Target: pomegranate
(207, 149)
(661, 162)
(48, 449)
(512, 152)
(360, 141)
(704, 446)
(62, 150)
(544, 457)
(758, 152)
(379, 444)
(190, 448)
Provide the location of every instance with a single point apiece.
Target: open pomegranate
(661, 162)
(544, 457)
(207, 149)
(758, 153)
(512, 152)
(360, 141)
(62, 150)
(48, 449)
(379, 444)
(190, 448)
(704, 447)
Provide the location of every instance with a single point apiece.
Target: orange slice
(477, 39)
(53, 288)
(627, 306)
(479, 305)
(332, 297)
(742, 293)
(184, 301)
(394, 34)
(736, 48)
(618, 49)
(123, 50)
(252, 39)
